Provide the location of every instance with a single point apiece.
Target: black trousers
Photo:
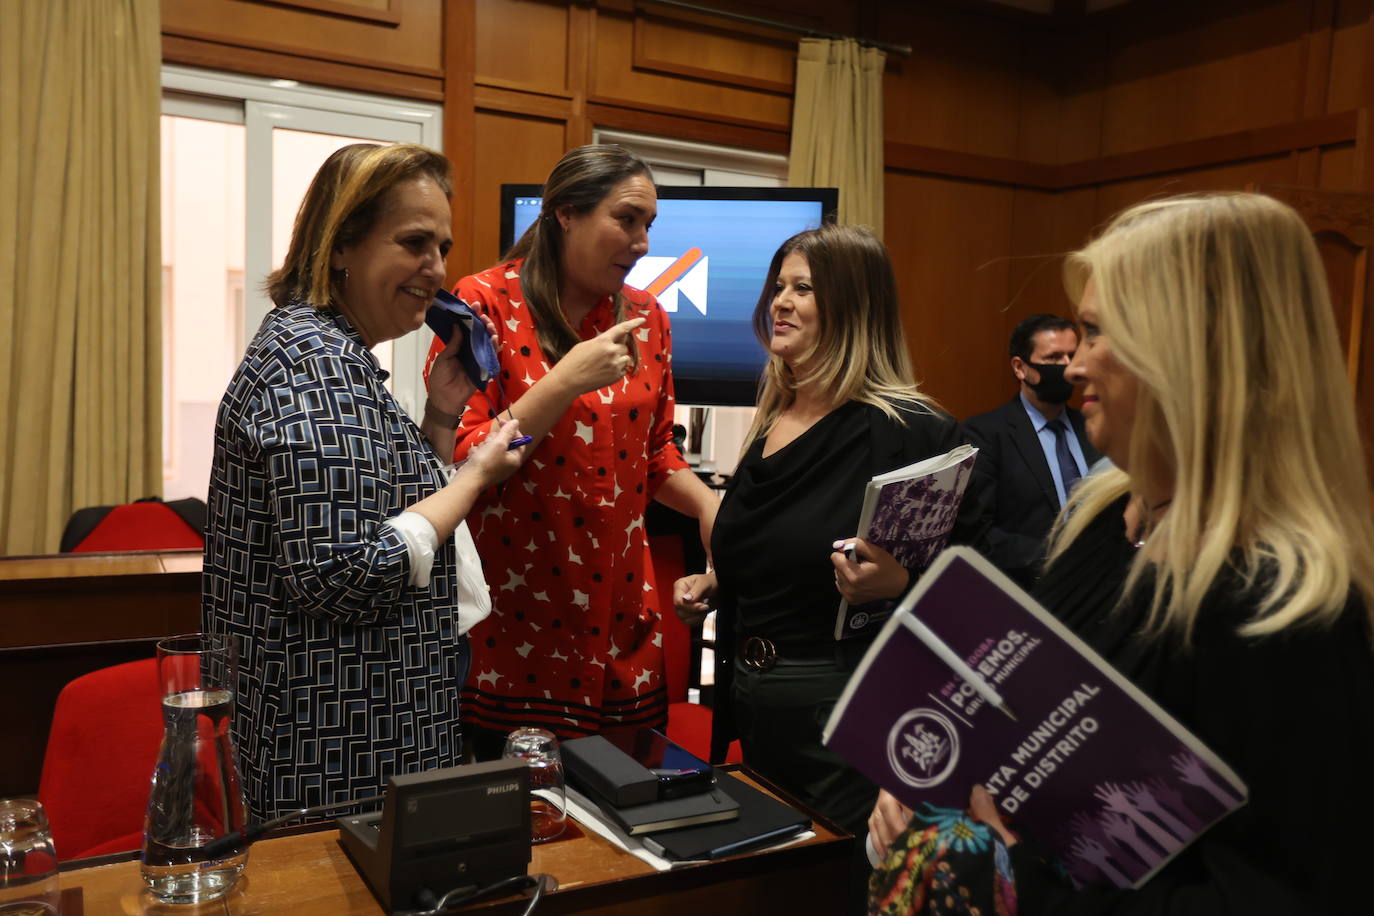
(780, 714)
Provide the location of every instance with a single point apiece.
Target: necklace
(1145, 528)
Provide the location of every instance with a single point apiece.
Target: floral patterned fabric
(945, 864)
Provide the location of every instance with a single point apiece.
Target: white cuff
(421, 543)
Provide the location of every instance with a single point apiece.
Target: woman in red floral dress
(573, 643)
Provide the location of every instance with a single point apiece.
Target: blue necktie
(1068, 468)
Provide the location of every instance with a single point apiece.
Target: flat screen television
(709, 251)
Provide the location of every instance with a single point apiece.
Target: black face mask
(1052, 388)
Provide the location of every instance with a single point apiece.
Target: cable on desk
(466, 894)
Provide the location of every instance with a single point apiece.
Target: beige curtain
(80, 313)
(837, 126)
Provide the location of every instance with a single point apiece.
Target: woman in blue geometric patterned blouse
(336, 550)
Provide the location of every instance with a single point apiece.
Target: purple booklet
(1091, 766)
(909, 513)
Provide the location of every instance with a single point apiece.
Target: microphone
(229, 843)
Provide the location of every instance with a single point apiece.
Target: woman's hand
(983, 808)
(492, 461)
(449, 385)
(874, 575)
(692, 597)
(889, 818)
(598, 362)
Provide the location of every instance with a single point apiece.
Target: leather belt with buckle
(758, 653)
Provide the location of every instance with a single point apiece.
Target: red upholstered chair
(144, 525)
(689, 724)
(106, 732)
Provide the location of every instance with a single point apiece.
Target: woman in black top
(1227, 567)
(838, 405)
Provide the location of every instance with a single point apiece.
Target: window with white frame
(237, 155)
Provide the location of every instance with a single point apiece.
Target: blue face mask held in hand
(448, 314)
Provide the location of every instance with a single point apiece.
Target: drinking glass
(548, 796)
(196, 795)
(28, 863)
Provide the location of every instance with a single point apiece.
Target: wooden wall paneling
(909, 157)
(1315, 57)
(1045, 227)
(960, 90)
(216, 56)
(1079, 75)
(523, 44)
(538, 105)
(366, 10)
(1114, 197)
(460, 132)
(1349, 50)
(949, 243)
(412, 44)
(1343, 225)
(511, 149)
(1188, 72)
(1336, 167)
(1050, 126)
(687, 126)
(1213, 151)
(614, 81)
(581, 50)
(768, 58)
(1306, 166)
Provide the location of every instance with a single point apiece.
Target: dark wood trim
(492, 82)
(488, 98)
(1005, 13)
(1234, 147)
(640, 60)
(1306, 134)
(581, 54)
(460, 126)
(908, 157)
(389, 16)
(607, 101)
(258, 44)
(689, 126)
(643, 62)
(1364, 148)
(1315, 65)
(218, 56)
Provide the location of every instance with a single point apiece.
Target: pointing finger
(624, 329)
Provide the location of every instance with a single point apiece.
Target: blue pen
(519, 441)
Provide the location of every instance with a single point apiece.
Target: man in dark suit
(1032, 449)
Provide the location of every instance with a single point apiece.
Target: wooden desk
(309, 874)
(64, 615)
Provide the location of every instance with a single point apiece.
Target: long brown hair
(860, 353)
(340, 208)
(580, 181)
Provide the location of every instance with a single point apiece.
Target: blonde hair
(860, 353)
(1218, 305)
(580, 181)
(340, 208)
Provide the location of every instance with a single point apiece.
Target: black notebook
(762, 820)
(706, 807)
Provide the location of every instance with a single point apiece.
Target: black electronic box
(443, 829)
